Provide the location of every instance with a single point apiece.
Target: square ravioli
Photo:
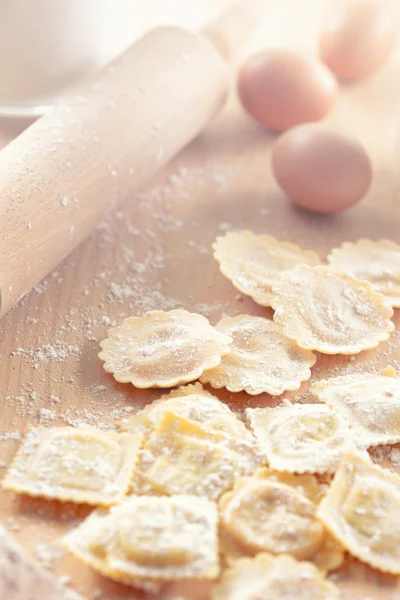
(180, 457)
(369, 402)
(150, 539)
(77, 465)
(361, 510)
(301, 438)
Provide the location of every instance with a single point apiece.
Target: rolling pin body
(61, 176)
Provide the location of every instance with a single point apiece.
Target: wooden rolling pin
(97, 146)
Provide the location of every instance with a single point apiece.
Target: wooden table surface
(155, 253)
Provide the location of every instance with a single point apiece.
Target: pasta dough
(255, 262)
(273, 577)
(361, 509)
(162, 349)
(330, 312)
(300, 438)
(147, 540)
(80, 465)
(261, 358)
(375, 261)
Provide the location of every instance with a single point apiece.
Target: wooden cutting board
(155, 253)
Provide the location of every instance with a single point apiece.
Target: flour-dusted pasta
(330, 554)
(369, 402)
(361, 509)
(261, 358)
(330, 312)
(180, 457)
(301, 438)
(79, 465)
(162, 349)
(263, 514)
(148, 540)
(255, 262)
(375, 261)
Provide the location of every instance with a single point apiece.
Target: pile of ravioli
(266, 506)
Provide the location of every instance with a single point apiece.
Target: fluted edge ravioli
(180, 456)
(261, 358)
(275, 512)
(149, 540)
(301, 438)
(375, 261)
(78, 465)
(370, 403)
(329, 312)
(253, 262)
(162, 349)
(361, 510)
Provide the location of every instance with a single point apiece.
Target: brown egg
(360, 40)
(321, 169)
(281, 89)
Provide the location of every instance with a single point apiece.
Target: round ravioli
(273, 577)
(329, 312)
(162, 349)
(261, 358)
(329, 554)
(301, 438)
(255, 262)
(375, 261)
(262, 515)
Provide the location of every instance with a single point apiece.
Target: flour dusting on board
(59, 351)
(136, 283)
